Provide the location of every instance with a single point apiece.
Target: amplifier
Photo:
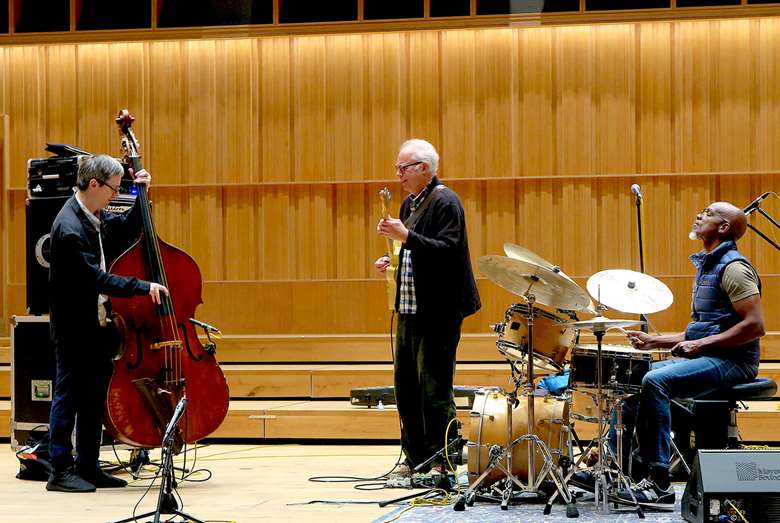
(733, 485)
(53, 176)
(372, 396)
(50, 184)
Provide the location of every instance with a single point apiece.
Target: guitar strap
(413, 218)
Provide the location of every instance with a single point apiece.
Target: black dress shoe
(102, 479)
(68, 481)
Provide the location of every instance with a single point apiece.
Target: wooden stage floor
(249, 483)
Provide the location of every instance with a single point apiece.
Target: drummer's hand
(641, 340)
(381, 263)
(156, 291)
(393, 228)
(687, 349)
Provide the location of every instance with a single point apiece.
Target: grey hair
(100, 167)
(423, 151)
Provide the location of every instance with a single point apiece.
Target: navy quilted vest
(711, 310)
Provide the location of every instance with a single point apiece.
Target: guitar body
(393, 252)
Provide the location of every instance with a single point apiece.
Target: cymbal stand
(500, 456)
(601, 485)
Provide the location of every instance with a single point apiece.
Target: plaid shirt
(407, 300)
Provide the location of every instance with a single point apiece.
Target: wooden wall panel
(425, 87)
(537, 91)
(24, 85)
(235, 130)
(168, 97)
(345, 107)
(268, 153)
(459, 116)
(274, 93)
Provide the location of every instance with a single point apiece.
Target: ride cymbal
(629, 291)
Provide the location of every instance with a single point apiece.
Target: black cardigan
(441, 265)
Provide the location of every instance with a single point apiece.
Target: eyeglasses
(402, 168)
(709, 213)
(116, 189)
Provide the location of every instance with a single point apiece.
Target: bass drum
(488, 427)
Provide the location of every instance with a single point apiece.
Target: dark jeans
(79, 391)
(650, 411)
(424, 369)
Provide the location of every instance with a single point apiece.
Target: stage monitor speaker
(40, 214)
(733, 485)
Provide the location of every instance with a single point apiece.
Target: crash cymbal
(601, 324)
(521, 253)
(629, 291)
(523, 278)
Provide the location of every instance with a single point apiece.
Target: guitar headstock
(385, 196)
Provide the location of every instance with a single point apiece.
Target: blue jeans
(650, 410)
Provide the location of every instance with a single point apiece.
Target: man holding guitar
(436, 290)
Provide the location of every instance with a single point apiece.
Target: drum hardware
(549, 288)
(599, 327)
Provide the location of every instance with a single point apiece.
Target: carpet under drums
(483, 512)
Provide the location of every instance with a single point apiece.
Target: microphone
(205, 326)
(177, 413)
(752, 206)
(636, 190)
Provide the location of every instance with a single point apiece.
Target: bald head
(735, 216)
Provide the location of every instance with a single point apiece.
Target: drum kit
(520, 438)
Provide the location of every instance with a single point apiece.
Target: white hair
(423, 151)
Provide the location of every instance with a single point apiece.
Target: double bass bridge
(160, 345)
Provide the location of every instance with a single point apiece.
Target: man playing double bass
(436, 291)
(81, 328)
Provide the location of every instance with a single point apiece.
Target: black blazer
(75, 278)
(443, 279)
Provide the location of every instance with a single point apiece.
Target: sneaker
(583, 479)
(102, 479)
(402, 470)
(646, 491)
(68, 481)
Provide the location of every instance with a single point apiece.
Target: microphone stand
(764, 236)
(641, 250)
(166, 501)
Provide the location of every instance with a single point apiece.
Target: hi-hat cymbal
(601, 324)
(527, 278)
(629, 291)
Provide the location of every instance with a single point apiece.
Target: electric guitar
(393, 251)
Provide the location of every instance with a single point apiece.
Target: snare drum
(488, 427)
(552, 339)
(622, 368)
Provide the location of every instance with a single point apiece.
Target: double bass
(161, 359)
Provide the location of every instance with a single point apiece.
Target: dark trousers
(424, 369)
(79, 392)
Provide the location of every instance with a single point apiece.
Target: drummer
(719, 348)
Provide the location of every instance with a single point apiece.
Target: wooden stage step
(328, 420)
(368, 348)
(314, 381)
